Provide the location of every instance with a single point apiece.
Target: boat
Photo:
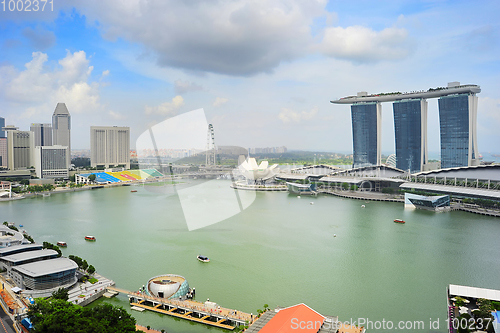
(399, 221)
(20, 225)
(133, 191)
(203, 258)
(362, 206)
(62, 244)
(90, 238)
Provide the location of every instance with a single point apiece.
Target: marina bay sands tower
(457, 117)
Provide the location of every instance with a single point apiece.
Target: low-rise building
(45, 274)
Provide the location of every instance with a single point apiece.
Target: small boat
(90, 238)
(203, 258)
(362, 206)
(62, 244)
(21, 225)
(399, 221)
(133, 191)
(312, 203)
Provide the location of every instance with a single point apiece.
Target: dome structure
(252, 171)
(168, 286)
(391, 160)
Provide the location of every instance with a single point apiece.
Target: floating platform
(136, 308)
(208, 313)
(110, 293)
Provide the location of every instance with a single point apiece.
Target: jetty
(208, 313)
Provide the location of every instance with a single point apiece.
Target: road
(6, 324)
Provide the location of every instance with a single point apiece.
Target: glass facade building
(366, 119)
(410, 119)
(457, 118)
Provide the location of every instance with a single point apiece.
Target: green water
(280, 251)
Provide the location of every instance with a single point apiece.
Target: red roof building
(295, 318)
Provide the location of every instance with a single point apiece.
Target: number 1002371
(27, 5)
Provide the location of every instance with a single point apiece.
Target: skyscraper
(457, 118)
(2, 125)
(43, 134)
(20, 149)
(410, 125)
(3, 144)
(366, 129)
(109, 146)
(61, 128)
(51, 162)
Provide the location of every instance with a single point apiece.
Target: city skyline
(270, 81)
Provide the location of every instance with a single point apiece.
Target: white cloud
(182, 87)
(167, 108)
(220, 101)
(237, 37)
(39, 86)
(362, 44)
(116, 115)
(288, 115)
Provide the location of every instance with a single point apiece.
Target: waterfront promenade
(192, 310)
(361, 195)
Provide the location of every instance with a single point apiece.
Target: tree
(91, 270)
(85, 265)
(63, 317)
(61, 293)
(92, 177)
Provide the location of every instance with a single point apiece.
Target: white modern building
(3, 153)
(109, 146)
(43, 134)
(51, 162)
(61, 128)
(20, 149)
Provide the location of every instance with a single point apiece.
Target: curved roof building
(168, 286)
(9, 237)
(263, 171)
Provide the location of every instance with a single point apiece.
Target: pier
(207, 313)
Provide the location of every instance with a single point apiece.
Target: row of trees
(58, 315)
(82, 264)
(483, 202)
(50, 246)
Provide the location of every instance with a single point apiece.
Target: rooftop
(291, 318)
(456, 190)
(396, 96)
(27, 247)
(29, 255)
(491, 294)
(45, 267)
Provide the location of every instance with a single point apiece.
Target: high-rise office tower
(3, 153)
(109, 146)
(457, 118)
(410, 125)
(20, 149)
(366, 130)
(2, 125)
(43, 134)
(51, 161)
(61, 128)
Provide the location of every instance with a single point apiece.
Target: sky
(264, 72)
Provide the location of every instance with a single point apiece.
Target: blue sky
(263, 71)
